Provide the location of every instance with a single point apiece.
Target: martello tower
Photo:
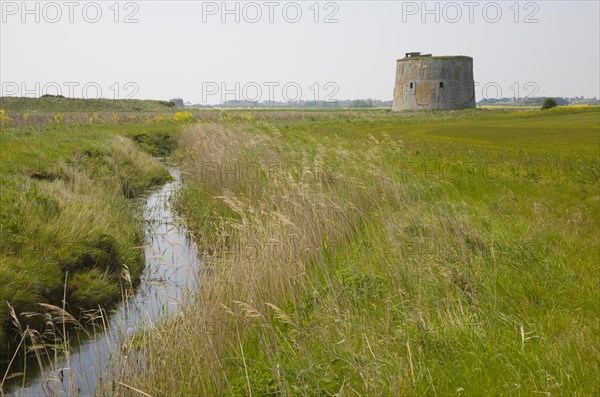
(425, 82)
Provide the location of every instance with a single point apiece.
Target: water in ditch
(170, 277)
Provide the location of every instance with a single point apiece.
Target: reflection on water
(172, 266)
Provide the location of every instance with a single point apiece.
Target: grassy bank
(51, 103)
(69, 222)
(444, 253)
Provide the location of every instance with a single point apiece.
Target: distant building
(425, 82)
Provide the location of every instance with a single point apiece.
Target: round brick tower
(425, 82)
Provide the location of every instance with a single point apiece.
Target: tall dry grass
(275, 209)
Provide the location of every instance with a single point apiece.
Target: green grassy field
(444, 253)
(345, 252)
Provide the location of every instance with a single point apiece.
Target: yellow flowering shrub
(182, 116)
(4, 119)
(93, 118)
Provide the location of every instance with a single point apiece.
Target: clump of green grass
(94, 288)
(342, 257)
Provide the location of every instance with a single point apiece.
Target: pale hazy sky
(184, 49)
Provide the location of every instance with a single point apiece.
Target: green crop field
(344, 252)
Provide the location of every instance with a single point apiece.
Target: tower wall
(433, 83)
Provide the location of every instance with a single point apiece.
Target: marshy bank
(71, 230)
(167, 282)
